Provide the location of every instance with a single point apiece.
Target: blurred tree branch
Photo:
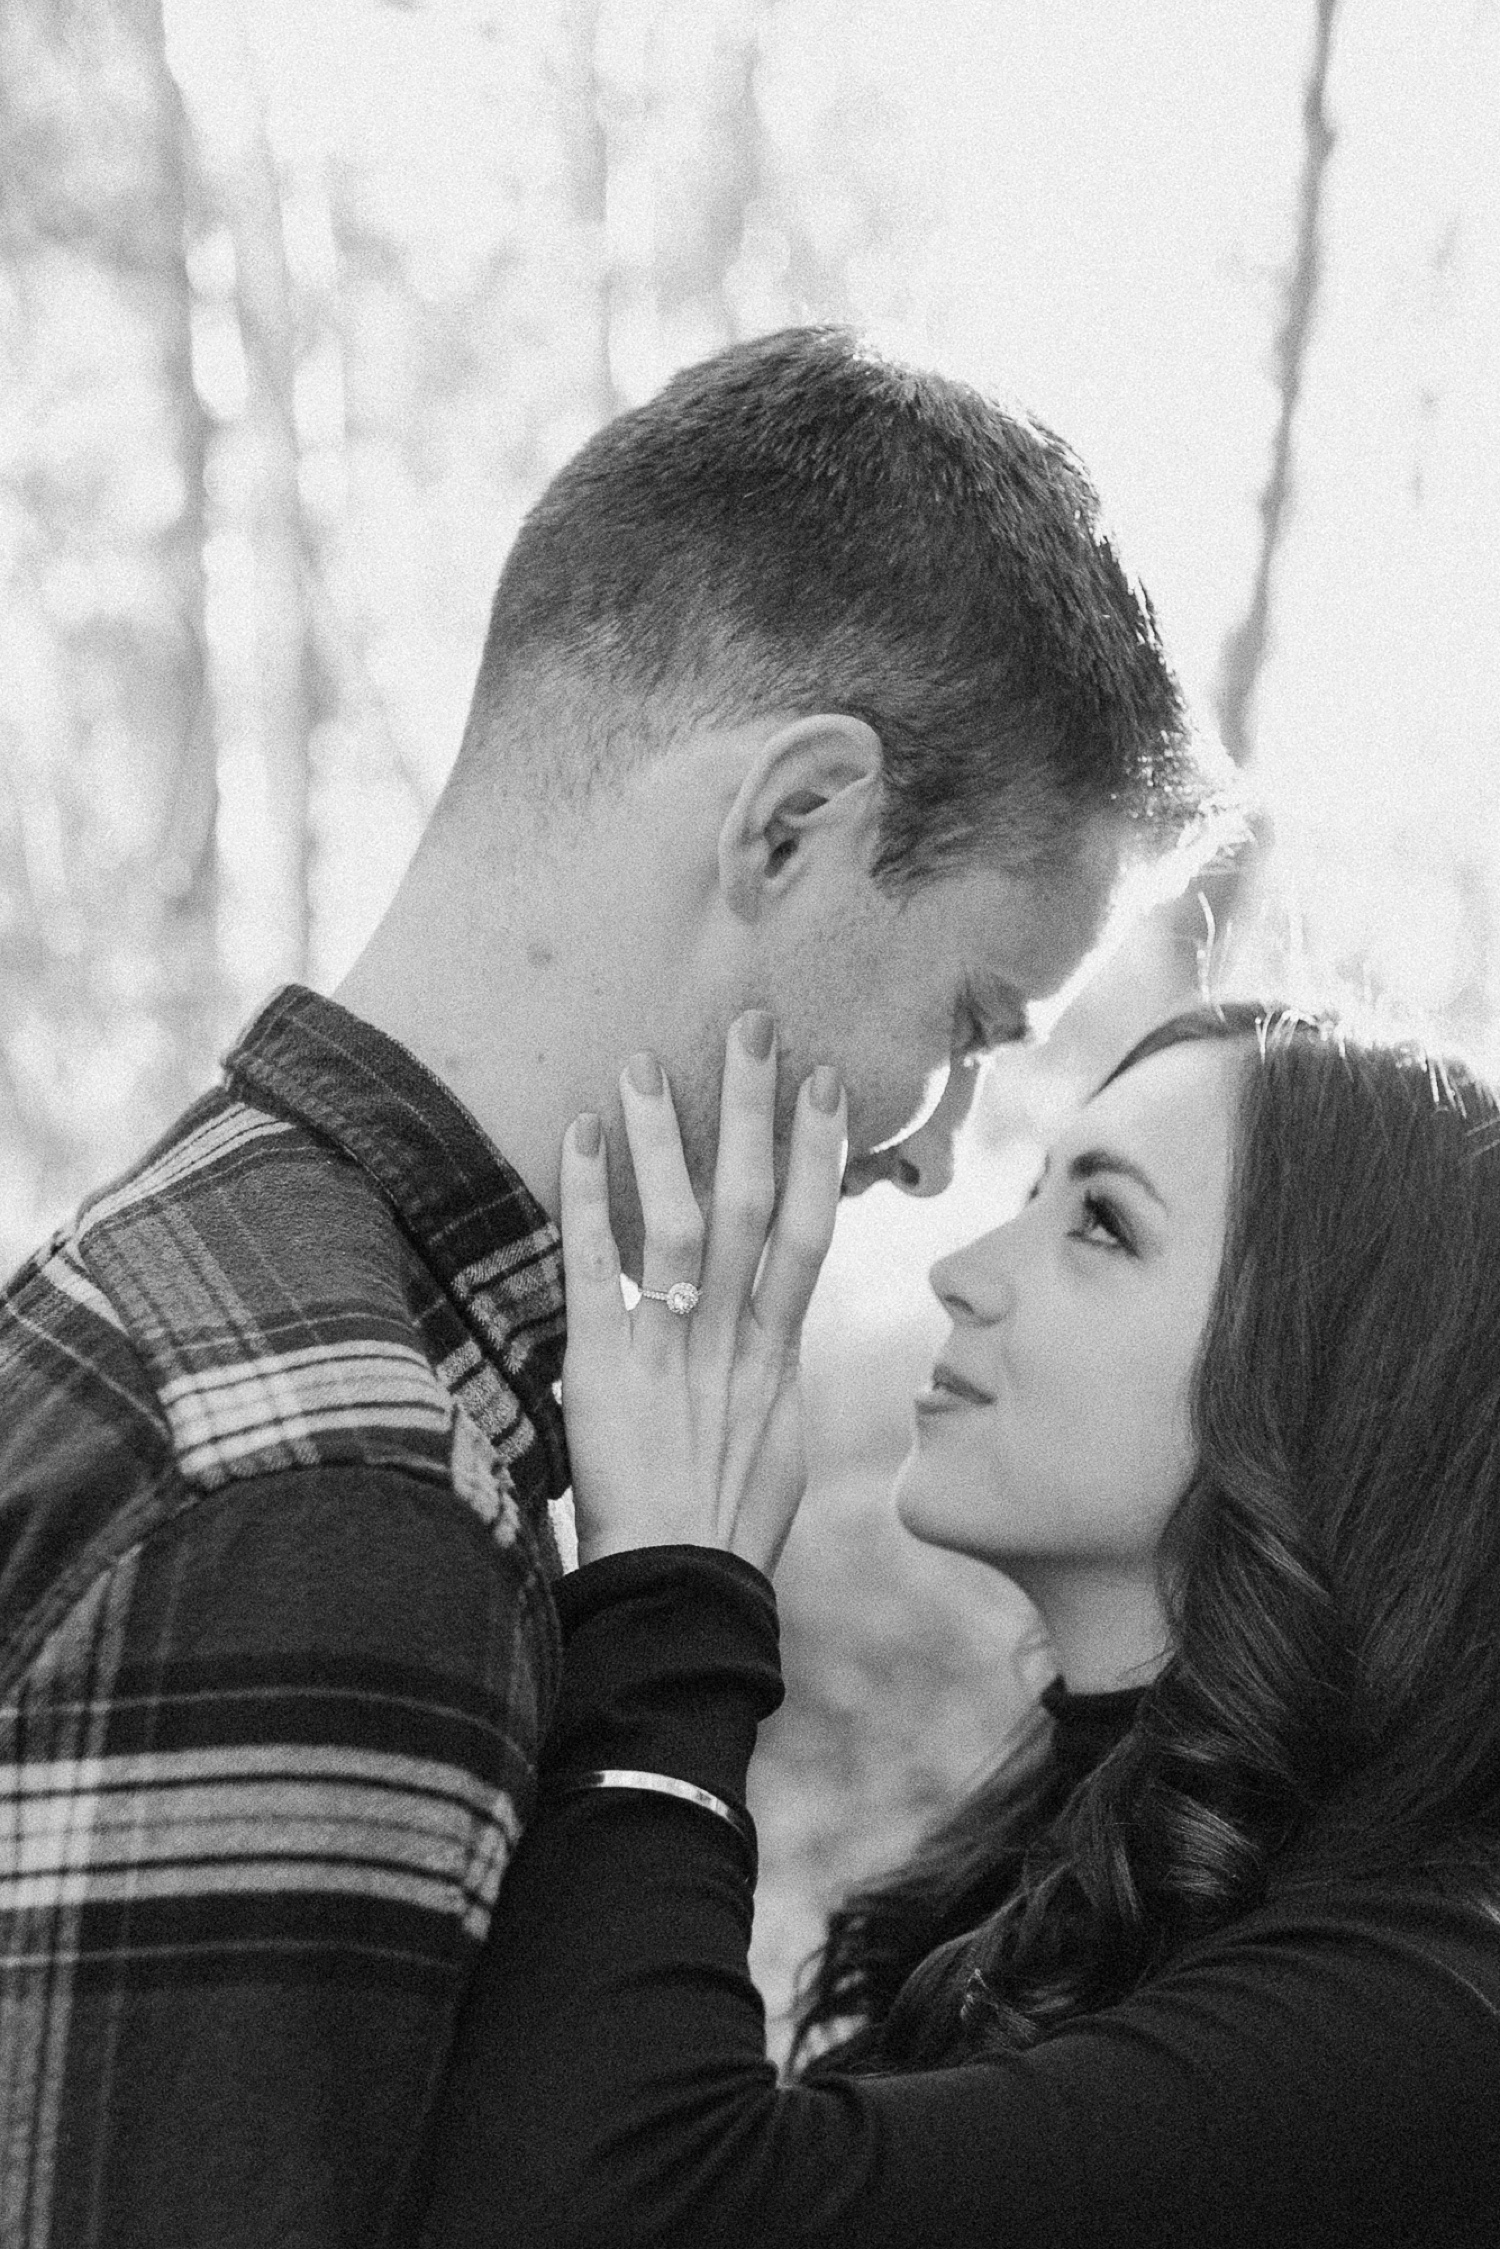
(1246, 645)
(1172, 954)
(1202, 921)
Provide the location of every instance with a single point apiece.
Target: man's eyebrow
(997, 1009)
(1092, 1161)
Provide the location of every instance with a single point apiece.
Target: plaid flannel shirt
(278, 1440)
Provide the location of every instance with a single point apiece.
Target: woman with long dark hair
(1214, 1956)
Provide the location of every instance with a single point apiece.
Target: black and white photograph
(749, 1124)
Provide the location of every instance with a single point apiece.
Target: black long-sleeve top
(1325, 2072)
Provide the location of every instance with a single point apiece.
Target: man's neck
(481, 993)
(524, 988)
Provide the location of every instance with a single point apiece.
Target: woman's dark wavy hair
(1332, 1577)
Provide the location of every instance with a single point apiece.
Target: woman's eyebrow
(1092, 1161)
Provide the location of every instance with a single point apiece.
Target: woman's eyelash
(1099, 1211)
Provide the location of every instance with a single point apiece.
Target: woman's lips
(949, 1390)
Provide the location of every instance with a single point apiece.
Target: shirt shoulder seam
(128, 1535)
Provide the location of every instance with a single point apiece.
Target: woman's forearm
(611, 2084)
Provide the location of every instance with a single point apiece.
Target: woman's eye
(1101, 1224)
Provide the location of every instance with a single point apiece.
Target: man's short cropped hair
(800, 524)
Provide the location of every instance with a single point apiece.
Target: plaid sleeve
(257, 1794)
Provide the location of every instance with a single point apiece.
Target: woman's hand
(689, 1431)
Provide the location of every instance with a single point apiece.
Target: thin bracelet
(663, 1784)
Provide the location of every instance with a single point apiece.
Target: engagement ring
(679, 1298)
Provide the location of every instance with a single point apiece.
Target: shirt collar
(472, 1219)
(1086, 1727)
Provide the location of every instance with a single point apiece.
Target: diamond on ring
(678, 1299)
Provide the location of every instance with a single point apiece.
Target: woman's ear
(812, 789)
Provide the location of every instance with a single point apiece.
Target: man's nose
(922, 1163)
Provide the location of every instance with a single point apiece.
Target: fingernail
(756, 1031)
(587, 1133)
(823, 1089)
(644, 1072)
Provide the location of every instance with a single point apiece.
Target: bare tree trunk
(707, 164)
(1468, 1012)
(284, 654)
(107, 817)
(186, 865)
(585, 147)
(685, 116)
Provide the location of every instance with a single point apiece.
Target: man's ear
(812, 785)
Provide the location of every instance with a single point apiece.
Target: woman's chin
(906, 1491)
(918, 1499)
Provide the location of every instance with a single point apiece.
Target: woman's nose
(974, 1283)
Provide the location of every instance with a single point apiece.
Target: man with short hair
(812, 697)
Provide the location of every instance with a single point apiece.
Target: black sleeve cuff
(670, 1663)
